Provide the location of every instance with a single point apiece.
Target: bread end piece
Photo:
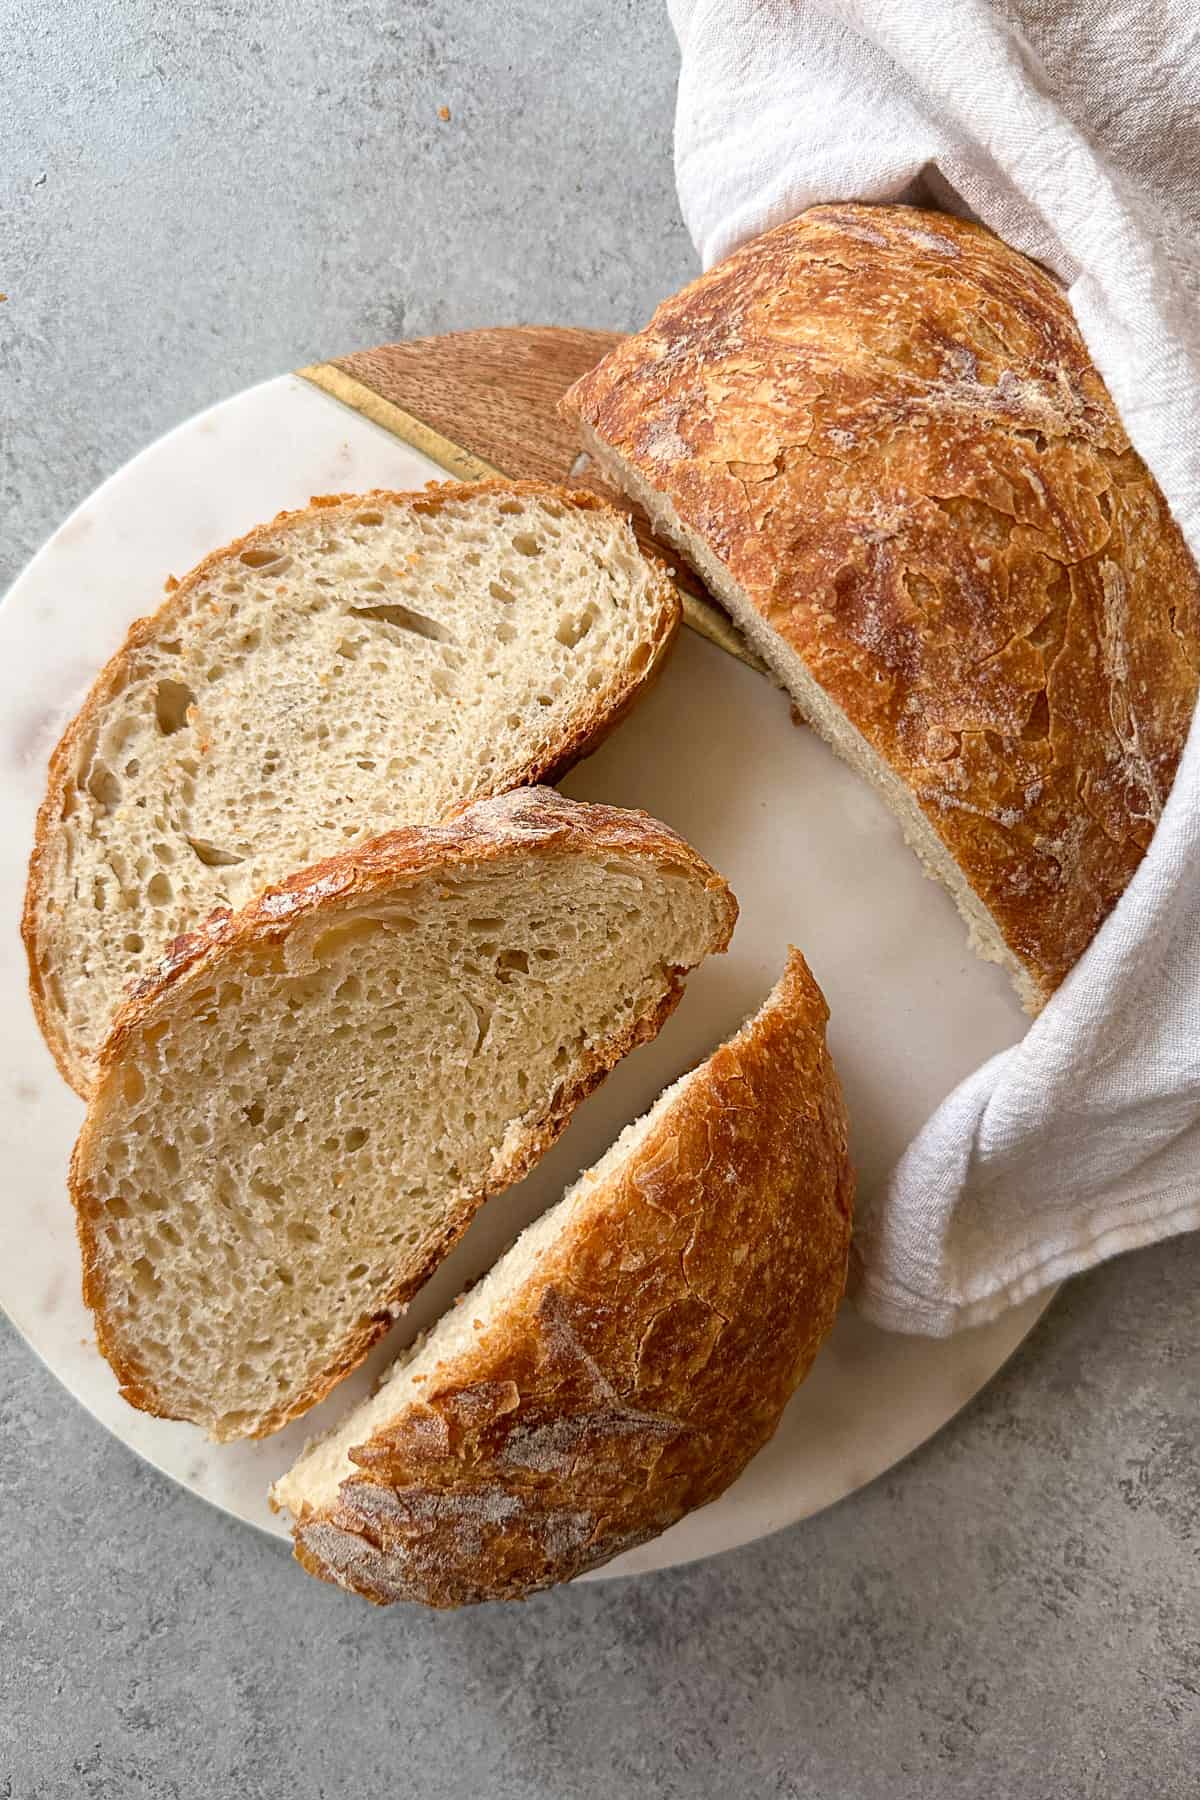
(626, 1359)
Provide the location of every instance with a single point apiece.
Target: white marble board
(811, 853)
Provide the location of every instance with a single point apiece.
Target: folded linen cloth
(1073, 132)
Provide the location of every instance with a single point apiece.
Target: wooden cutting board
(484, 403)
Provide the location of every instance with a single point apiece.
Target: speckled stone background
(193, 198)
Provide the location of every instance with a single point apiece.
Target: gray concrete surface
(194, 198)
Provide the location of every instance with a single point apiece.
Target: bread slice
(627, 1357)
(878, 436)
(296, 1117)
(373, 661)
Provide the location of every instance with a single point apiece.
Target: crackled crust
(879, 434)
(646, 1358)
(530, 821)
(548, 761)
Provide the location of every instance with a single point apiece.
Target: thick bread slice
(374, 661)
(297, 1116)
(627, 1357)
(878, 436)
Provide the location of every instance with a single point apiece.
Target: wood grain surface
(494, 392)
(485, 402)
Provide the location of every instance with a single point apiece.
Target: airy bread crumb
(298, 1118)
(374, 661)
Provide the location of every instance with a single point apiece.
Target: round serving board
(810, 851)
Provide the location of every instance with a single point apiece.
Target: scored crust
(529, 821)
(644, 1360)
(879, 436)
(550, 762)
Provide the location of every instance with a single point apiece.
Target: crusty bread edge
(592, 728)
(346, 1543)
(545, 822)
(818, 710)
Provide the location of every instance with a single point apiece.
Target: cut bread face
(296, 1119)
(626, 1358)
(373, 661)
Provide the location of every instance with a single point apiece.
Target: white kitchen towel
(1074, 132)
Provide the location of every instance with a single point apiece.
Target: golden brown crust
(645, 1359)
(610, 708)
(886, 427)
(531, 821)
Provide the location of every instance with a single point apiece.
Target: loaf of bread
(877, 435)
(624, 1361)
(374, 661)
(299, 1111)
